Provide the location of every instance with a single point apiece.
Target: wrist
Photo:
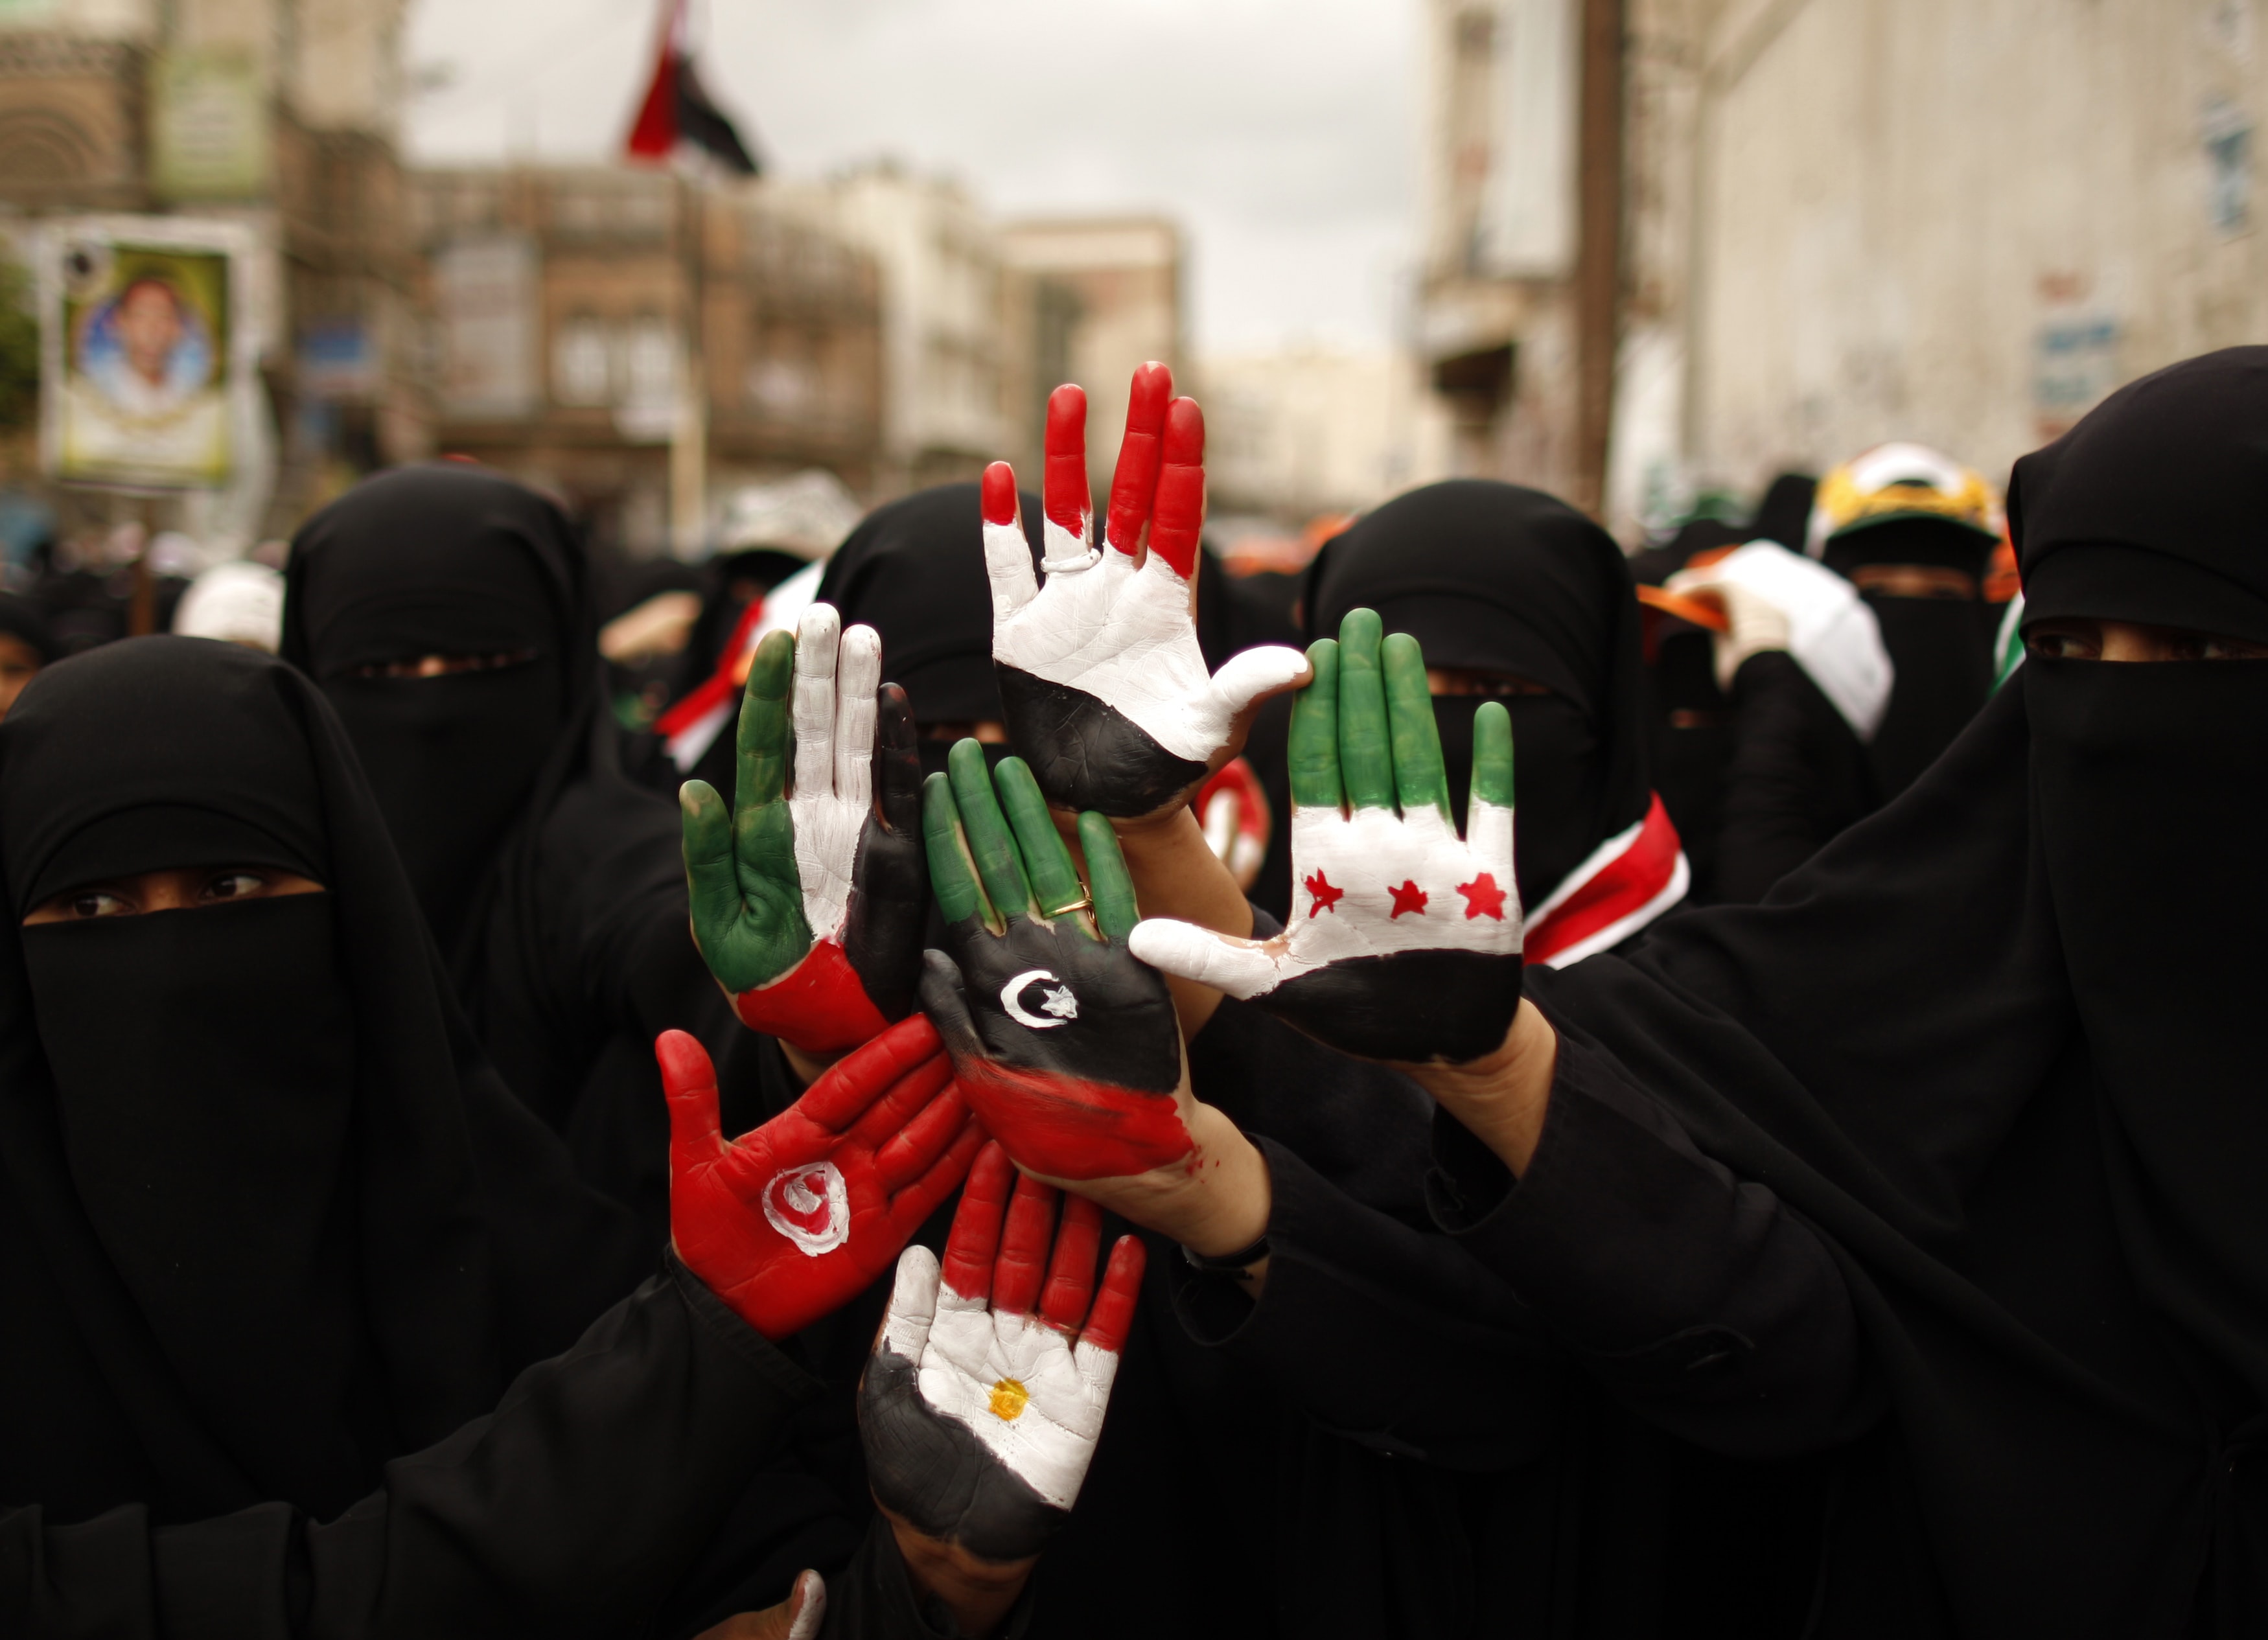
(1503, 1096)
(1219, 1199)
(979, 1593)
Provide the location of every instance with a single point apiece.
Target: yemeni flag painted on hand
(677, 113)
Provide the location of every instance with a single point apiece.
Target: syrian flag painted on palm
(678, 115)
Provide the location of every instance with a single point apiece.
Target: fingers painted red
(1071, 1272)
(1065, 493)
(689, 1081)
(1113, 1316)
(998, 494)
(975, 1240)
(906, 1155)
(1134, 484)
(1021, 1267)
(1178, 525)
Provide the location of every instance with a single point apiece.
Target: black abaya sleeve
(577, 1507)
(1389, 1336)
(1796, 776)
(1690, 1295)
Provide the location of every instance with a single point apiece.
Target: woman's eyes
(2064, 643)
(234, 885)
(96, 903)
(2202, 647)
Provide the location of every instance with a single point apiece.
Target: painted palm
(1106, 690)
(1405, 940)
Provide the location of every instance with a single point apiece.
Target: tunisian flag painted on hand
(677, 110)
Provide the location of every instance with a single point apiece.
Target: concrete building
(1312, 432)
(1956, 221)
(279, 115)
(1089, 300)
(641, 342)
(943, 323)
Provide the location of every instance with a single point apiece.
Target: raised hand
(1066, 1045)
(790, 1222)
(1404, 942)
(980, 1405)
(808, 901)
(1105, 688)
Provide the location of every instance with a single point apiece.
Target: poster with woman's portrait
(143, 372)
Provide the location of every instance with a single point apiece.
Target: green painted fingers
(1364, 736)
(994, 852)
(741, 874)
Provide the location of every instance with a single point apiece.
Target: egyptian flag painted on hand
(980, 1405)
(677, 113)
(1066, 1045)
(1100, 674)
(1404, 942)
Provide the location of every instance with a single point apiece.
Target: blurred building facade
(1311, 432)
(640, 342)
(280, 114)
(1957, 221)
(1089, 300)
(1674, 245)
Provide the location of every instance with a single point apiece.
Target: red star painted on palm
(1409, 897)
(1326, 896)
(1483, 898)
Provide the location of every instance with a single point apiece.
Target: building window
(650, 363)
(580, 372)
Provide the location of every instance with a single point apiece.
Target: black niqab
(1495, 577)
(1996, 1042)
(267, 1219)
(1942, 651)
(449, 560)
(914, 571)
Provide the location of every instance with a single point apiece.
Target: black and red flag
(678, 112)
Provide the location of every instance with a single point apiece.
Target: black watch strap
(1228, 1263)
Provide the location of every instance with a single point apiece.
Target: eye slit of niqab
(443, 665)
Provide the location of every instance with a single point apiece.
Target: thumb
(797, 1617)
(1241, 967)
(1254, 674)
(946, 1003)
(690, 1083)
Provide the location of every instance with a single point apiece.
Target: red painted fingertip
(690, 1082)
(999, 494)
(1134, 484)
(684, 1062)
(1064, 490)
(1018, 1273)
(1071, 1272)
(975, 1240)
(1114, 1306)
(1178, 528)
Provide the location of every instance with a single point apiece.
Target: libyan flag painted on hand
(677, 111)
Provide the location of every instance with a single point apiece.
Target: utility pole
(688, 438)
(1598, 254)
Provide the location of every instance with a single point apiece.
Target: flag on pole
(678, 111)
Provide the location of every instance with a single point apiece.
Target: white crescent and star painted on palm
(1059, 1004)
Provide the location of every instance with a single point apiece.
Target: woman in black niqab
(1997, 1044)
(1509, 584)
(444, 611)
(269, 1220)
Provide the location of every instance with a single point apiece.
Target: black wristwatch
(1227, 1263)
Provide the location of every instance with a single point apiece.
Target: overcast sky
(1281, 133)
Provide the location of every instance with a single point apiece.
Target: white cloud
(1281, 133)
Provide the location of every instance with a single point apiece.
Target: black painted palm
(982, 1400)
(1067, 1046)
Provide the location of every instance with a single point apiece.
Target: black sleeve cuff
(873, 1598)
(743, 1341)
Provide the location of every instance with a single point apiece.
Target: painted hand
(1404, 942)
(979, 1419)
(1105, 688)
(1066, 1045)
(1231, 806)
(790, 1222)
(808, 905)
